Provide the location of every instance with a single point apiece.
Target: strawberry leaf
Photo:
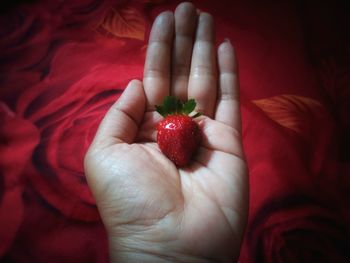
(189, 106)
(172, 105)
(179, 106)
(169, 105)
(160, 110)
(196, 115)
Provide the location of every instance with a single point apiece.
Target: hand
(152, 210)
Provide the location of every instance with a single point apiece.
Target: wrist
(127, 250)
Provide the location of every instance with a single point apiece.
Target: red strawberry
(178, 135)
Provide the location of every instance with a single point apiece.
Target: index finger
(156, 78)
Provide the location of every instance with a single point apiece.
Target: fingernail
(227, 40)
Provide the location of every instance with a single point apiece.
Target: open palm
(152, 210)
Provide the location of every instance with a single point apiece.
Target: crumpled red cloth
(63, 63)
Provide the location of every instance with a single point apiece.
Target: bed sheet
(62, 65)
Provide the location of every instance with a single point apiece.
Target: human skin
(154, 211)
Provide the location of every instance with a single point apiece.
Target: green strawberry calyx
(172, 106)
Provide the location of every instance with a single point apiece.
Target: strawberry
(178, 134)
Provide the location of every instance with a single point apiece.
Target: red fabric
(63, 63)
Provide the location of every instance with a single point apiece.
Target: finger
(202, 82)
(220, 137)
(121, 122)
(228, 109)
(157, 65)
(185, 25)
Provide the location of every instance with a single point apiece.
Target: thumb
(120, 124)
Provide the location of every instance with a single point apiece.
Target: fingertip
(205, 29)
(205, 16)
(164, 17)
(135, 83)
(184, 6)
(163, 27)
(226, 46)
(227, 57)
(134, 90)
(185, 18)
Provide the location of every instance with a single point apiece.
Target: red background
(63, 63)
